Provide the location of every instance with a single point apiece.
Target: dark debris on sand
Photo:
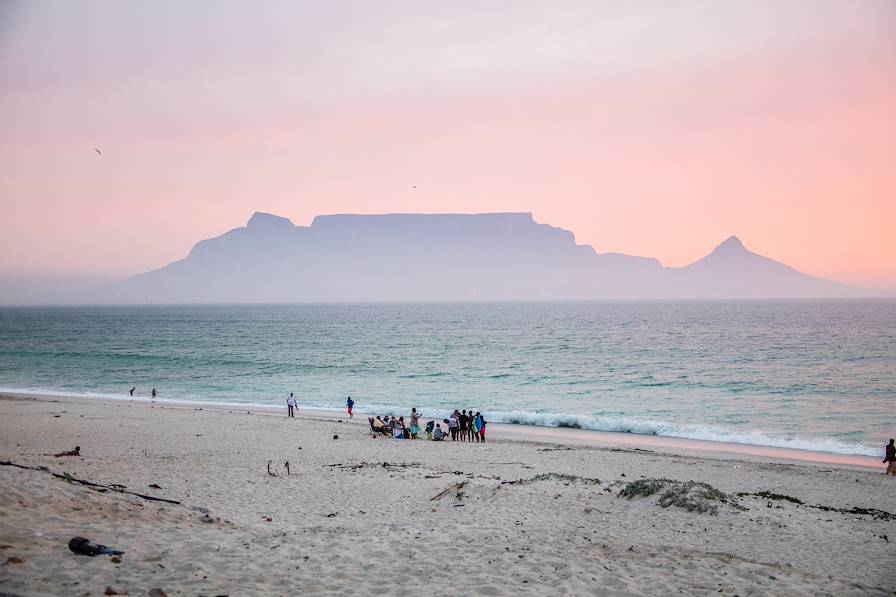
(692, 496)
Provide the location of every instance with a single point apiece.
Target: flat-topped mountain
(412, 257)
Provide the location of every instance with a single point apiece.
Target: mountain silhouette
(419, 257)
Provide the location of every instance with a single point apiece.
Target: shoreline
(525, 433)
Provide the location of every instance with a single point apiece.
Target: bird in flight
(98, 151)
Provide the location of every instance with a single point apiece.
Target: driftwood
(270, 472)
(71, 479)
(456, 486)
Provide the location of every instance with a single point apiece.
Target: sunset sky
(649, 128)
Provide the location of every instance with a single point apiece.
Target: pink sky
(649, 128)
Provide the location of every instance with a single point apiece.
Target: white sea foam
(668, 429)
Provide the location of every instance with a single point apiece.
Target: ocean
(812, 375)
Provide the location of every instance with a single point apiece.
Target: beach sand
(357, 515)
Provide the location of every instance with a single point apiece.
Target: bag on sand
(84, 547)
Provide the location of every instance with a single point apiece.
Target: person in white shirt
(291, 405)
(438, 435)
(453, 425)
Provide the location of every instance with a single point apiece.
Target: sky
(648, 128)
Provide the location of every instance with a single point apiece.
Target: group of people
(460, 426)
(466, 427)
(396, 427)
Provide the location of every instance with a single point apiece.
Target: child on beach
(429, 427)
(481, 427)
(349, 404)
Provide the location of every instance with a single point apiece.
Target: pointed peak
(732, 244)
(261, 219)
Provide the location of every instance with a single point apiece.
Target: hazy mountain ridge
(419, 257)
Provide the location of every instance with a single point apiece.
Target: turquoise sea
(817, 375)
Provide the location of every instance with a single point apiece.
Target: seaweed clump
(567, 479)
(692, 496)
(773, 496)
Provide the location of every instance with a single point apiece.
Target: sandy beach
(525, 513)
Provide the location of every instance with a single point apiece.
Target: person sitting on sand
(890, 458)
(380, 427)
(75, 452)
(429, 427)
(438, 435)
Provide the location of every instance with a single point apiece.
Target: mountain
(732, 271)
(416, 257)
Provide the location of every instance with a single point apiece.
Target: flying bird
(98, 151)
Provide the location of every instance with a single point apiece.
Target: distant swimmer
(349, 405)
(131, 392)
(98, 151)
(153, 392)
(890, 458)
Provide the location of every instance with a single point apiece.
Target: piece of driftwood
(456, 486)
(71, 479)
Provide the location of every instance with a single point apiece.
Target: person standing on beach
(474, 426)
(890, 458)
(153, 392)
(132, 390)
(481, 427)
(415, 423)
(349, 405)
(452, 425)
(462, 422)
(290, 406)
